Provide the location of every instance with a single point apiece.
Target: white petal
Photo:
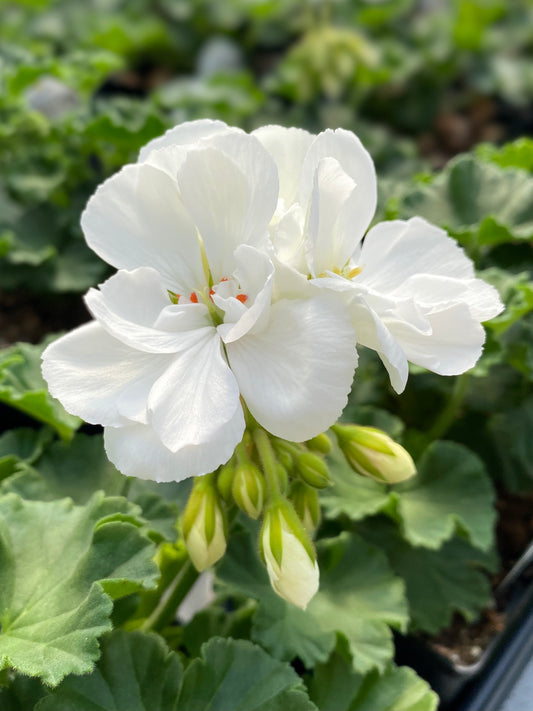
(287, 237)
(333, 214)
(355, 160)
(372, 333)
(137, 451)
(136, 219)
(454, 346)
(296, 374)
(255, 274)
(183, 134)
(231, 199)
(288, 147)
(394, 251)
(135, 308)
(99, 378)
(297, 579)
(481, 298)
(196, 395)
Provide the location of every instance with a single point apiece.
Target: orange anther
(211, 292)
(193, 297)
(242, 298)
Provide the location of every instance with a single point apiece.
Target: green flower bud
(321, 443)
(225, 478)
(284, 458)
(249, 489)
(306, 504)
(288, 554)
(313, 470)
(371, 452)
(204, 525)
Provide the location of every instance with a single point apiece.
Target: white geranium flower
(410, 289)
(193, 321)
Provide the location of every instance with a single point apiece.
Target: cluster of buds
(280, 481)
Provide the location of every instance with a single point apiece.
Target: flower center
(218, 298)
(346, 272)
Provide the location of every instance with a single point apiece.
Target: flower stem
(268, 462)
(166, 608)
(448, 413)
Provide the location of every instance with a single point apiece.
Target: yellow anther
(354, 272)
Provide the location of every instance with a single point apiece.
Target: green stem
(269, 463)
(169, 602)
(448, 413)
(292, 448)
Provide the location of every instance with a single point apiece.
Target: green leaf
(478, 202)
(451, 491)
(135, 672)
(216, 621)
(22, 386)
(517, 154)
(359, 598)
(236, 675)
(511, 433)
(438, 583)
(59, 565)
(516, 292)
(335, 685)
(79, 468)
(21, 445)
(351, 494)
(21, 694)
(399, 689)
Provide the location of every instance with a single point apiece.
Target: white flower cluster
(245, 276)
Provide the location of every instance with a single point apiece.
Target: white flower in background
(193, 321)
(409, 288)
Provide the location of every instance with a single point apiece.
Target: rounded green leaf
(236, 675)
(59, 565)
(136, 672)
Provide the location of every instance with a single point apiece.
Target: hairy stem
(448, 413)
(169, 602)
(268, 462)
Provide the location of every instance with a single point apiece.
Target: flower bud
(306, 504)
(313, 470)
(284, 458)
(204, 526)
(321, 443)
(371, 452)
(289, 555)
(225, 478)
(249, 489)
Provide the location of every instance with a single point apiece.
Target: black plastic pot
(486, 684)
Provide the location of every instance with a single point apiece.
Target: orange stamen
(193, 297)
(242, 298)
(211, 292)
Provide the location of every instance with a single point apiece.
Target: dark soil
(464, 644)
(25, 317)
